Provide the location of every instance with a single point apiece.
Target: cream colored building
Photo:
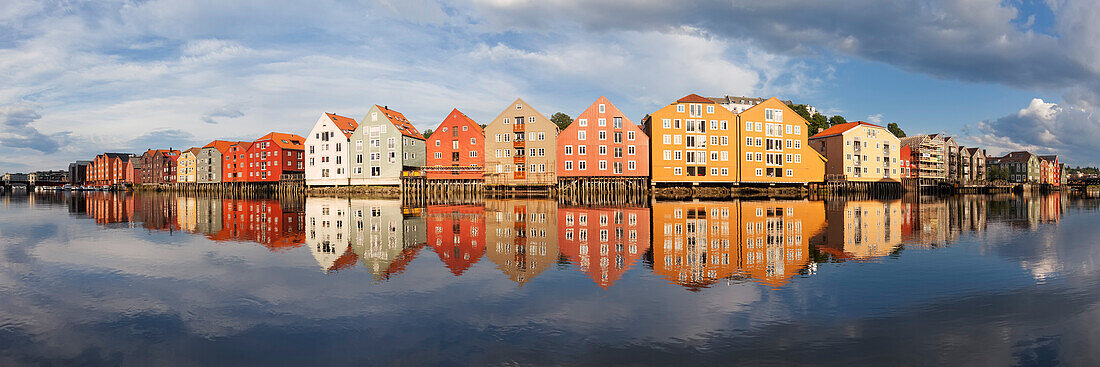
(859, 151)
(521, 148)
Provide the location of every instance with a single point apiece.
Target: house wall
(208, 165)
(383, 149)
(669, 149)
(797, 162)
(185, 167)
(540, 137)
(631, 143)
(876, 157)
(324, 165)
(461, 136)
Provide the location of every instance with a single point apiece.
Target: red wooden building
(457, 234)
(235, 162)
(905, 161)
(159, 166)
(272, 155)
(455, 149)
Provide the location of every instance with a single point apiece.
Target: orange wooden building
(235, 162)
(456, 149)
(602, 142)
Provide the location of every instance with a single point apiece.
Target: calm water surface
(106, 279)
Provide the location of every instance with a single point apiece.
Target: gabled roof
(221, 145)
(346, 125)
(840, 129)
(1020, 156)
(193, 151)
(462, 116)
(285, 141)
(1051, 157)
(972, 151)
(402, 123)
(694, 98)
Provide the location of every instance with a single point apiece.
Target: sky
(79, 78)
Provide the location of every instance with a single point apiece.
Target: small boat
(67, 187)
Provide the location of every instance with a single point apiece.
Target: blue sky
(81, 78)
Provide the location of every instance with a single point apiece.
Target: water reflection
(695, 245)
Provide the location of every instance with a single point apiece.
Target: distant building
(929, 153)
(742, 104)
(185, 165)
(953, 165)
(1050, 170)
(107, 169)
(905, 161)
(859, 151)
(208, 162)
(159, 166)
(235, 162)
(974, 165)
(78, 172)
(1022, 167)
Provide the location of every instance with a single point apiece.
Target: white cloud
(875, 119)
(1044, 128)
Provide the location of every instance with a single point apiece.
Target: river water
(113, 279)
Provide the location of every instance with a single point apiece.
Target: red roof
(695, 98)
(840, 129)
(347, 260)
(346, 125)
(401, 122)
(285, 141)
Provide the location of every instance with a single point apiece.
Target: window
(582, 135)
(630, 165)
(630, 135)
(618, 122)
(602, 109)
(582, 165)
(603, 135)
(757, 127)
(771, 114)
(568, 150)
(710, 109)
(748, 157)
(759, 172)
(581, 150)
(630, 150)
(601, 122)
(438, 155)
(677, 171)
(603, 165)
(666, 123)
(680, 108)
(790, 172)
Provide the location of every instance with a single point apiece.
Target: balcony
(518, 143)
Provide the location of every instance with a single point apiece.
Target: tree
(894, 129)
(562, 120)
(837, 120)
(802, 111)
(818, 122)
(428, 133)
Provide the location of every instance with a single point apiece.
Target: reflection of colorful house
(863, 229)
(521, 236)
(696, 244)
(603, 242)
(109, 208)
(382, 236)
(187, 215)
(457, 234)
(327, 233)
